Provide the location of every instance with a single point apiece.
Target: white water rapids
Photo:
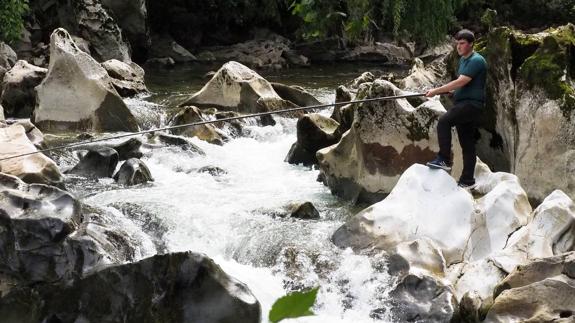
(233, 219)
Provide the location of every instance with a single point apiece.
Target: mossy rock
(552, 67)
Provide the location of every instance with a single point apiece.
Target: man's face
(464, 47)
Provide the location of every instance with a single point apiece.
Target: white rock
(501, 211)
(551, 232)
(427, 203)
(77, 93)
(36, 168)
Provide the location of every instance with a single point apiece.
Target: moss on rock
(551, 67)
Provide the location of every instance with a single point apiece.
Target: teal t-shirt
(475, 67)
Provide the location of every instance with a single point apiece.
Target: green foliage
(296, 304)
(11, 22)
(420, 20)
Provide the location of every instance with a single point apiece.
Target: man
(469, 94)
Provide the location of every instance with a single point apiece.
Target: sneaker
(439, 163)
(466, 185)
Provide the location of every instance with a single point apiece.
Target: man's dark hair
(465, 34)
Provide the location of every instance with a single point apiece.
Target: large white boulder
(427, 203)
(77, 93)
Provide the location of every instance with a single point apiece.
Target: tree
(11, 19)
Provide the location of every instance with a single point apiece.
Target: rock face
(131, 16)
(385, 139)
(541, 291)
(314, 132)
(531, 108)
(380, 52)
(77, 93)
(236, 87)
(180, 287)
(36, 168)
(90, 20)
(272, 52)
(206, 132)
(133, 172)
(128, 79)
(18, 94)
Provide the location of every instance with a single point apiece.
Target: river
(234, 217)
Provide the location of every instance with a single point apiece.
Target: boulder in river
(385, 139)
(314, 132)
(133, 172)
(97, 162)
(304, 211)
(77, 93)
(295, 94)
(128, 79)
(34, 168)
(238, 88)
(178, 287)
(206, 132)
(18, 94)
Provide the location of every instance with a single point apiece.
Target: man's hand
(431, 93)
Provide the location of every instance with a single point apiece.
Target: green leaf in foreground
(296, 304)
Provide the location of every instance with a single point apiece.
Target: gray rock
(314, 132)
(422, 299)
(133, 172)
(179, 287)
(7, 59)
(206, 132)
(304, 211)
(295, 94)
(128, 79)
(18, 94)
(212, 170)
(165, 46)
(98, 162)
(164, 139)
(35, 222)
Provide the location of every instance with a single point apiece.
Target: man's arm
(460, 82)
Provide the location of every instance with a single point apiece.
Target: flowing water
(236, 217)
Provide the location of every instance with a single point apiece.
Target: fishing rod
(259, 114)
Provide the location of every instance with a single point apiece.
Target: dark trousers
(465, 117)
